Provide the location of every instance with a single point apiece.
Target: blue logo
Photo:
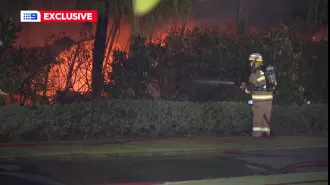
(30, 16)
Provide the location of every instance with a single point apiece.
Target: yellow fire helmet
(256, 58)
(142, 7)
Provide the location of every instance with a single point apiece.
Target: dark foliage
(144, 118)
(166, 69)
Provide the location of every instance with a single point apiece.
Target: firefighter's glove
(3, 93)
(243, 86)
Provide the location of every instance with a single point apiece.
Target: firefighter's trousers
(261, 117)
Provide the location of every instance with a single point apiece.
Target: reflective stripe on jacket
(261, 129)
(264, 97)
(258, 79)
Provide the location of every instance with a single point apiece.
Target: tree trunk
(113, 37)
(98, 54)
(134, 33)
(45, 85)
(242, 17)
(135, 27)
(147, 29)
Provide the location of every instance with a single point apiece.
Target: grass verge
(161, 146)
(285, 179)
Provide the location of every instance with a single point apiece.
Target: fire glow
(81, 66)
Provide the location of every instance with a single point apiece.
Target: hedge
(144, 118)
(301, 66)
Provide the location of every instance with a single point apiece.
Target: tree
(103, 43)
(117, 9)
(317, 14)
(242, 17)
(310, 15)
(99, 48)
(166, 10)
(8, 30)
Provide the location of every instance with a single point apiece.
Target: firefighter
(261, 85)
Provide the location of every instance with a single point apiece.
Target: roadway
(87, 170)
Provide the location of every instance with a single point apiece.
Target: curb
(222, 152)
(279, 148)
(130, 141)
(135, 183)
(300, 182)
(184, 182)
(288, 168)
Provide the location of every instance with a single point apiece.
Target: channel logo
(30, 16)
(59, 16)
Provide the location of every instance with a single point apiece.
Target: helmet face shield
(251, 65)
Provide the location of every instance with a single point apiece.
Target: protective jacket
(257, 86)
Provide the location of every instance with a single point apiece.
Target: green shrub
(143, 118)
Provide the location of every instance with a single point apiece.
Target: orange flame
(82, 64)
(81, 78)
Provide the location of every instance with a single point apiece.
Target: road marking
(299, 182)
(281, 148)
(255, 167)
(135, 183)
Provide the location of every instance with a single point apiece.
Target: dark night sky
(262, 13)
